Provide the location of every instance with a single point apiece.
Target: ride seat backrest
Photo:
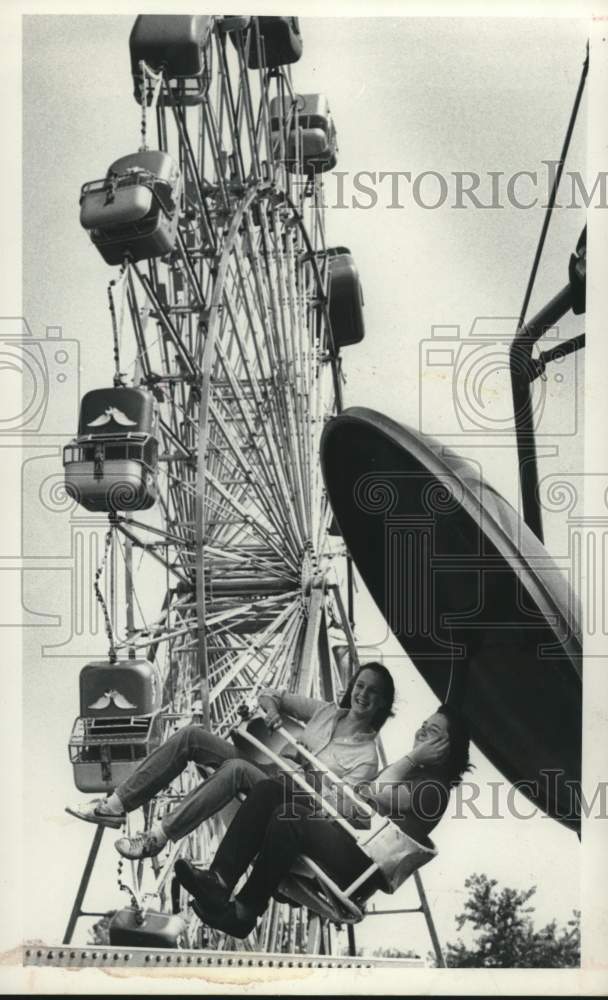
(397, 855)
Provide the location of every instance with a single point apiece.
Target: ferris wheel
(228, 312)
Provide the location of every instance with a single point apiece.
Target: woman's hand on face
(430, 752)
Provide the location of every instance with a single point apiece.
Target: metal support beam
(77, 910)
(313, 943)
(190, 963)
(428, 916)
(350, 583)
(128, 554)
(325, 672)
(522, 374)
(346, 625)
(310, 650)
(352, 944)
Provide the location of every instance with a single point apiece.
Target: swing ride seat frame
(308, 884)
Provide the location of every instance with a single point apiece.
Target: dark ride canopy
(471, 594)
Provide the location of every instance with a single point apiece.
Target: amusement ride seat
(393, 854)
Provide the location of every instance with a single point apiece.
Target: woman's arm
(391, 782)
(275, 701)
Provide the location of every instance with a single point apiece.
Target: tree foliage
(505, 934)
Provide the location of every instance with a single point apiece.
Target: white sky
(407, 94)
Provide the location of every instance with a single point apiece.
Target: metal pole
(84, 884)
(520, 361)
(129, 591)
(313, 943)
(347, 626)
(429, 921)
(352, 945)
(351, 592)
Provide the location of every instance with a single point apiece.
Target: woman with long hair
(342, 737)
(414, 791)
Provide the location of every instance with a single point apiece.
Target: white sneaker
(142, 845)
(97, 812)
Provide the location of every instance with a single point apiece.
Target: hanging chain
(117, 322)
(101, 600)
(135, 904)
(150, 84)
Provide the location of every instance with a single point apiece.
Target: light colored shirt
(353, 758)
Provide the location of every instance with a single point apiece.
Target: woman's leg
(245, 835)
(324, 841)
(212, 795)
(169, 759)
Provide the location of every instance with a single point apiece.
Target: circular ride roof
(482, 610)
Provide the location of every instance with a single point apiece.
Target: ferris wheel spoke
(186, 359)
(191, 274)
(250, 558)
(278, 652)
(141, 638)
(263, 132)
(244, 659)
(271, 501)
(281, 396)
(275, 473)
(284, 656)
(169, 537)
(184, 487)
(258, 489)
(215, 145)
(301, 373)
(319, 416)
(288, 322)
(142, 357)
(245, 512)
(245, 111)
(193, 178)
(241, 532)
(284, 306)
(228, 99)
(150, 548)
(172, 440)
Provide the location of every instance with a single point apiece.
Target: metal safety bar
(338, 897)
(283, 764)
(361, 837)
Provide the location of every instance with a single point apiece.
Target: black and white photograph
(305, 539)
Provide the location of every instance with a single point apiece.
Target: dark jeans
(278, 825)
(191, 743)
